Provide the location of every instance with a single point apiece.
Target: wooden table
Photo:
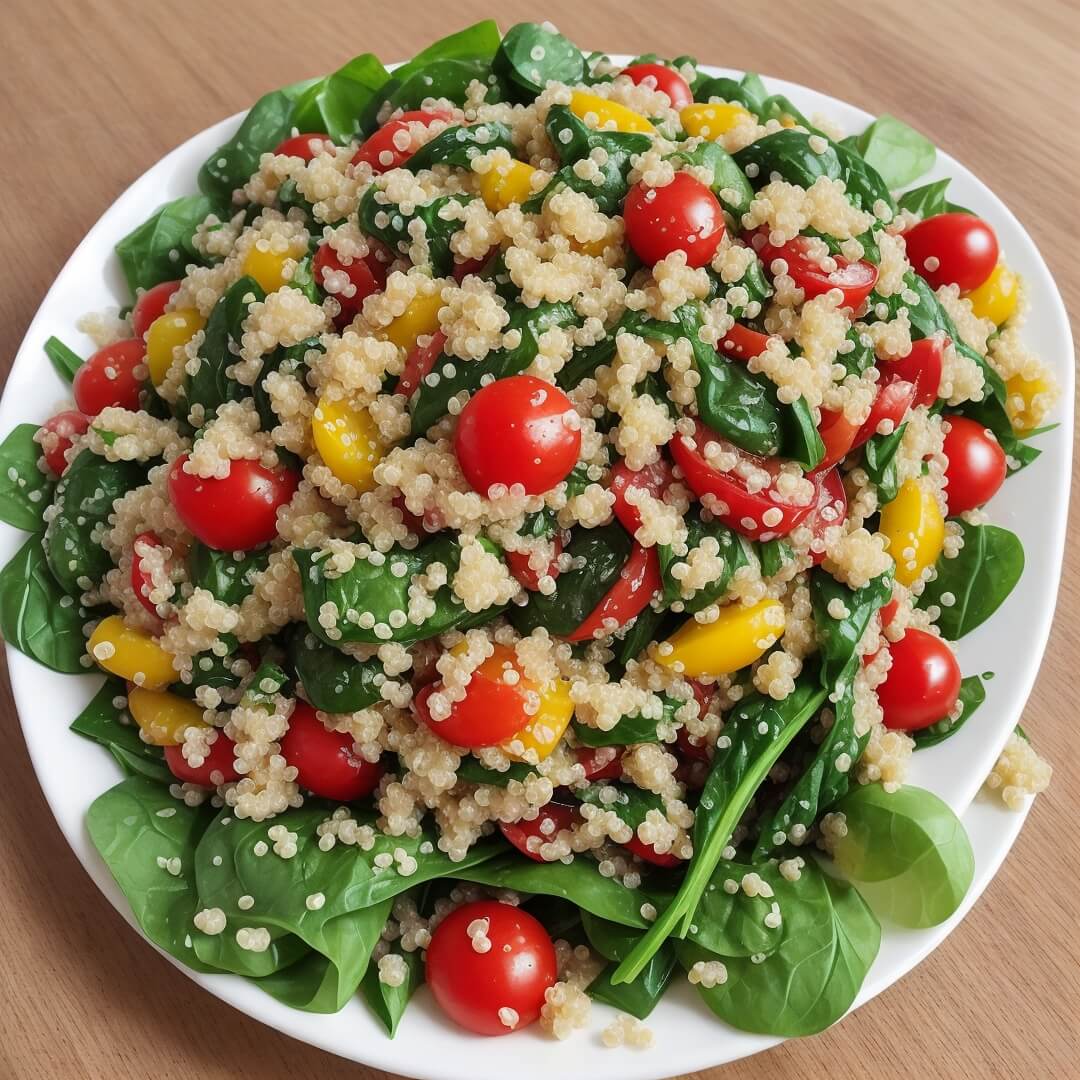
(91, 95)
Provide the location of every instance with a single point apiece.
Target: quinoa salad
(524, 517)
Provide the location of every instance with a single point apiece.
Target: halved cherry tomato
(419, 364)
(681, 216)
(829, 510)
(362, 278)
(218, 767)
(150, 306)
(552, 818)
(410, 520)
(649, 854)
(141, 580)
(307, 145)
(893, 400)
(746, 511)
(519, 430)
(628, 597)
(108, 378)
(384, 150)
(888, 612)
(462, 270)
(237, 513)
(655, 479)
(838, 434)
(977, 465)
(921, 367)
(922, 685)
(324, 760)
(661, 78)
(62, 429)
(952, 249)
(855, 280)
(489, 966)
(743, 343)
(518, 561)
(600, 762)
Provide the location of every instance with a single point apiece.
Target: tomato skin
(838, 434)
(380, 150)
(600, 762)
(655, 479)
(855, 280)
(65, 426)
(518, 561)
(419, 364)
(518, 833)
(221, 759)
(647, 853)
(921, 367)
(301, 145)
(108, 378)
(965, 247)
(519, 430)
(681, 216)
(633, 589)
(888, 613)
(829, 510)
(515, 973)
(977, 465)
(743, 343)
(892, 403)
(922, 685)
(471, 266)
(664, 79)
(141, 580)
(237, 513)
(325, 763)
(150, 306)
(366, 276)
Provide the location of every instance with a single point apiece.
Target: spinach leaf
(530, 56)
(228, 578)
(639, 996)
(335, 103)
(459, 145)
(439, 217)
(978, 580)
(632, 728)
(753, 282)
(65, 360)
(972, 695)
(105, 723)
(209, 669)
(631, 803)
(333, 681)
(929, 200)
(774, 555)
(749, 91)
(25, 490)
(290, 360)
(585, 360)
(898, 152)
(388, 1002)
(449, 78)
(734, 549)
(732, 923)
(907, 852)
(879, 460)
(648, 627)
(729, 181)
(473, 772)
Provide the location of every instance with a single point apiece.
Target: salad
(524, 516)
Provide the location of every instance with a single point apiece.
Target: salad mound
(524, 517)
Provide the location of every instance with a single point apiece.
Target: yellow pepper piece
(267, 268)
(348, 441)
(505, 185)
(544, 731)
(737, 638)
(420, 317)
(915, 529)
(1027, 401)
(712, 121)
(163, 718)
(131, 654)
(997, 297)
(166, 333)
(599, 113)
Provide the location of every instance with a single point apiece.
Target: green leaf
(774, 556)
(732, 923)
(907, 852)
(972, 695)
(226, 576)
(631, 803)
(65, 360)
(898, 152)
(473, 772)
(530, 56)
(749, 91)
(333, 681)
(634, 728)
(109, 725)
(879, 460)
(642, 994)
(929, 200)
(25, 490)
(459, 145)
(334, 104)
(389, 1002)
(729, 182)
(390, 224)
(735, 550)
(291, 360)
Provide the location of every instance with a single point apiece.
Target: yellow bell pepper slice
(506, 184)
(267, 268)
(997, 297)
(166, 333)
(600, 113)
(133, 655)
(544, 731)
(915, 528)
(712, 121)
(1027, 401)
(163, 718)
(737, 638)
(420, 317)
(348, 441)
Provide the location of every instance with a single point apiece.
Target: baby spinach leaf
(735, 550)
(221, 573)
(335, 103)
(459, 145)
(25, 490)
(209, 669)
(774, 555)
(530, 56)
(641, 995)
(648, 627)
(333, 681)
(630, 729)
(449, 78)
(388, 1002)
(879, 460)
(732, 923)
(977, 581)
(585, 360)
(473, 772)
(907, 852)
(729, 182)
(631, 803)
(899, 153)
(802, 441)
(929, 200)
(753, 283)
(439, 217)
(291, 360)
(65, 360)
(749, 91)
(972, 695)
(103, 722)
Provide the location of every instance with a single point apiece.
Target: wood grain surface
(92, 93)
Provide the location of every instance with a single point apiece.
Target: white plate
(73, 772)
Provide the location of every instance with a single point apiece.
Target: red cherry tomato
(324, 760)
(141, 581)
(838, 434)
(419, 364)
(628, 597)
(409, 519)
(922, 367)
(462, 270)
(664, 79)
(495, 986)
(519, 430)
(151, 306)
(518, 561)
(362, 277)
(237, 513)
(742, 343)
(649, 854)
(888, 613)
(855, 280)
(923, 683)
(681, 216)
(689, 747)
(829, 510)
(655, 479)
(600, 762)
(553, 818)
(62, 429)
(952, 249)
(892, 403)
(218, 767)
(977, 466)
(385, 150)
(108, 378)
(307, 145)
(746, 510)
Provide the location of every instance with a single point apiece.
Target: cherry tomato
(922, 367)
(489, 966)
(627, 598)
(151, 306)
(419, 364)
(600, 762)
(855, 280)
(519, 430)
(237, 513)
(829, 510)
(688, 746)
(923, 683)
(952, 249)
(649, 854)
(462, 270)
(218, 767)
(384, 150)
(362, 278)
(746, 510)
(977, 465)
(324, 760)
(141, 580)
(655, 479)
(552, 818)
(888, 613)
(893, 400)
(308, 145)
(409, 519)
(664, 79)
(838, 434)
(108, 378)
(743, 343)
(681, 216)
(62, 429)
(518, 561)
